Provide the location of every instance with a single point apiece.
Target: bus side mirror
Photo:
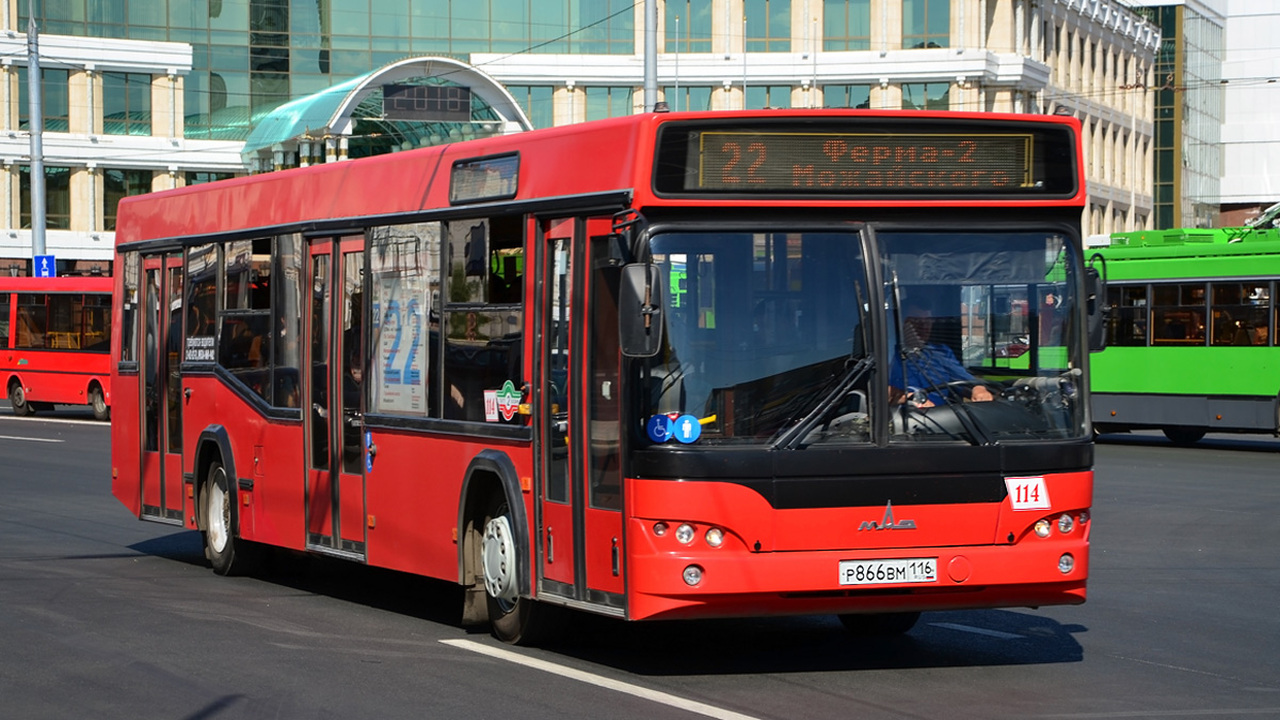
(1095, 288)
(640, 310)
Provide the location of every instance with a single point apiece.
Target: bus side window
(4, 321)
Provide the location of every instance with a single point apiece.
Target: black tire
(1184, 435)
(513, 619)
(226, 552)
(99, 404)
(880, 624)
(18, 399)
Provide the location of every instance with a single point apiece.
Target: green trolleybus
(1192, 335)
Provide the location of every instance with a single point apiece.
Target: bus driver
(928, 366)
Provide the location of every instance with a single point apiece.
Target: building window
(536, 101)
(119, 184)
(126, 104)
(847, 96)
(199, 178)
(926, 23)
(607, 102)
(55, 97)
(57, 197)
(926, 96)
(688, 26)
(687, 98)
(846, 25)
(768, 25)
(768, 96)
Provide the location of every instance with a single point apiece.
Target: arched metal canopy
(347, 120)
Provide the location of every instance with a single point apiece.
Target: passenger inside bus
(928, 366)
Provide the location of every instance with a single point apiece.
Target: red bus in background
(671, 365)
(55, 342)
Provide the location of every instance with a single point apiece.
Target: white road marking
(979, 631)
(29, 439)
(657, 696)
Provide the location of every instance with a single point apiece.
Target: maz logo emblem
(887, 522)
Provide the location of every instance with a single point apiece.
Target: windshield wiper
(853, 372)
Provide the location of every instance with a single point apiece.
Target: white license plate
(888, 572)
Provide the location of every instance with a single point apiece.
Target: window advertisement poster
(402, 263)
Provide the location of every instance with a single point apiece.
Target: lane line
(30, 439)
(656, 696)
(979, 631)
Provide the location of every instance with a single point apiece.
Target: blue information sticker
(687, 429)
(659, 428)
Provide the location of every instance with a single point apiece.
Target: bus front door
(580, 546)
(334, 355)
(161, 389)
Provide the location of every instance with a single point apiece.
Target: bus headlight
(1043, 528)
(684, 533)
(715, 537)
(1066, 524)
(692, 575)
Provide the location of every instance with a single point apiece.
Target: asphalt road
(103, 616)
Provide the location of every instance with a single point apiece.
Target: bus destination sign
(840, 162)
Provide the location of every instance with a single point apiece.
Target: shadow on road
(1215, 441)
(974, 638)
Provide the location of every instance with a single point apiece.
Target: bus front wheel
(18, 399)
(879, 624)
(1184, 435)
(513, 619)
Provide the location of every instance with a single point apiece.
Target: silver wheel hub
(499, 553)
(218, 516)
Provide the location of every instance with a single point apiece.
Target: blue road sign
(45, 266)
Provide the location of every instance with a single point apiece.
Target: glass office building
(171, 119)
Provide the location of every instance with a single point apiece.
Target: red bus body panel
(62, 376)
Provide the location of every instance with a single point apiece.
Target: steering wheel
(944, 388)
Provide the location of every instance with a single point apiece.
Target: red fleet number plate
(888, 572)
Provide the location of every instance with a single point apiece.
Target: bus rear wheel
(879, 624)
(512, 619)
(99, 404)
(18, 399)
(1183, 435)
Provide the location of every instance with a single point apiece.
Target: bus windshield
(767, 338)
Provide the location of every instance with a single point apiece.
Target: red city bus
(55, 342)
(662, 366)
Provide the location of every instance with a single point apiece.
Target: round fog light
(659, 529)
(692, 575)
(715, 536)
(1066, 524)
(1042, 528)
(684, 533)
(1066, 563)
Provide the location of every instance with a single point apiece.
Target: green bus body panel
(1235, 371)
(1191, 255)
